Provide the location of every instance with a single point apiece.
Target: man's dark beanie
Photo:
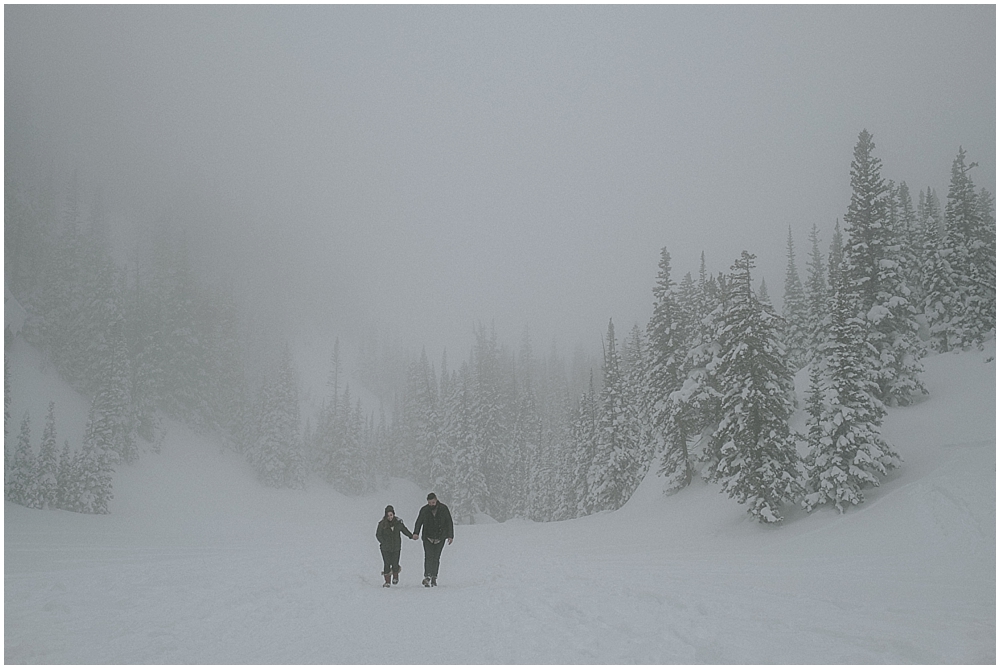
(431, 496)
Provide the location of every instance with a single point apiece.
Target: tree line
(704, 389)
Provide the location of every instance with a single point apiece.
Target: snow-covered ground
(198, 563)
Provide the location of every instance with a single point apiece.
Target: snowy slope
(199, 564)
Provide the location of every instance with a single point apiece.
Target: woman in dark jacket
(389, 543)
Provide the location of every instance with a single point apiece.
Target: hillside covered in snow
(199, 563)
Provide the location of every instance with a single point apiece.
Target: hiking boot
(395, 578)
(387, 577)
(434, 581)
(426, 582)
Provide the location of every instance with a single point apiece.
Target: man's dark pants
(432, 557)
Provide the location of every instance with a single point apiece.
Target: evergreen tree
(635, 370)
(115, 416)
(906, 229)
(553, 474)
(795, 311)
(758, 463)
(836, 258)
(937, 281)
(585, 434)
(525, 444)
(814, 414)
(48, 463)
(469, 492)
(6, 397)
(817, 295)
(699, 398)
(763, 296)
(68, 490)
(95, 465)
(668, 341)
(21, 485)
(276, 454)
(874, 281)
(850, 453)
(489, 412)
(616, 467)
(961, 217)
(983, 251)
(867, 223)
(6, 414)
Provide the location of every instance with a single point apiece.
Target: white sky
(432, 166)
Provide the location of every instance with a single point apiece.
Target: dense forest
(704, 389)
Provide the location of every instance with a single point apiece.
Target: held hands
(415, 536)
(449, 542)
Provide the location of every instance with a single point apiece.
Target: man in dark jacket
(435, 520)
(389, 543)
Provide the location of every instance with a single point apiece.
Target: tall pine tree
(758, 463)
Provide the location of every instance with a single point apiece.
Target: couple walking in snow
(435, 521)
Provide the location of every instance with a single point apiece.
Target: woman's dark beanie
(388, 509)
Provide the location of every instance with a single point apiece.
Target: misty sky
(431, 166)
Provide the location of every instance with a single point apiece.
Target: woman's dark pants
(390, 562)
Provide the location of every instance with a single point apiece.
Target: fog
(427, 168)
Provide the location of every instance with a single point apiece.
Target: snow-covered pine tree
(452, 438)
(327, 441)
(526, 433)
(874, 280)
(635, 372)
(894, 326)
(276, 452)
(6, 392)
(489, 413)
(354, 476)
(970, 242)
(144, 347)
(668, 342)
(906, 230)
(614, 471)
(817, 295)
(983, 250)
(584, 432)
(442, 459)
(961, 228)
(548, 475)
(68, 477)
(7, 472)
(114, 410)
(103, 293)
(814, 414)
(469, 487)
(850, 453)
(937, 281)
(758, 463)
(21, 486)
(795, 311)
(836, 257)
(290, 422)
(48, 463)
(699, 398)
(424, 420)
(96, 464)
(867, 221)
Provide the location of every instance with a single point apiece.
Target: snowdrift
(199, 564)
